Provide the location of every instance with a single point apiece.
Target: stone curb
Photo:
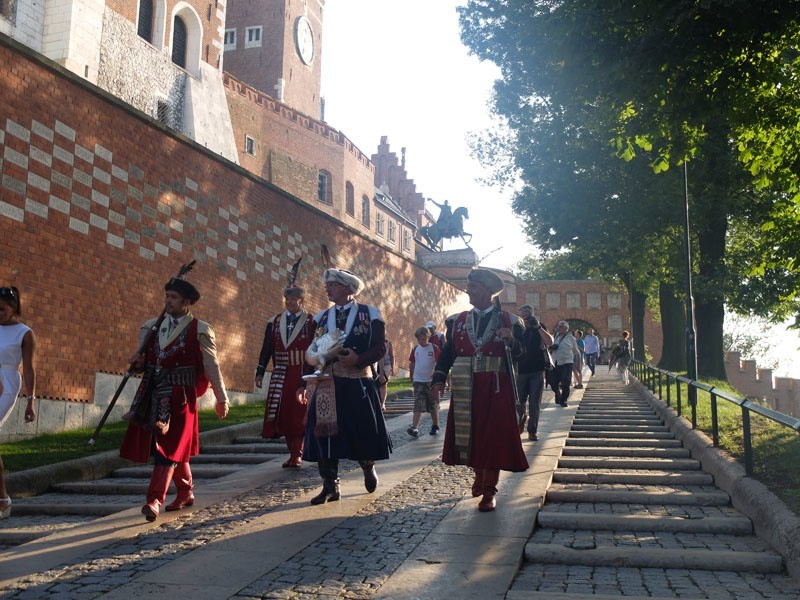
(33, 482)
(773, 521)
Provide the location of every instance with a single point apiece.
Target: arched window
(350, 199)
(365, 211)
(179, 39)
(145, 26)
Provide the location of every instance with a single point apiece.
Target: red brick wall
(596, 316)
(276, 58)
(99, 207)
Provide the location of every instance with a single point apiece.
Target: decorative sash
(276, 382)
(461, 384)
(324, 397)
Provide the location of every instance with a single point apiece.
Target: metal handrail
(652, 376)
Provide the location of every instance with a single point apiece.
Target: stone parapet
(779, 393)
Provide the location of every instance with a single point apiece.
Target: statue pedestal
(453, 265)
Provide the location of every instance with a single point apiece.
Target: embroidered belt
(176, 376)
(492, 364)
(339, 370)
(291, 358)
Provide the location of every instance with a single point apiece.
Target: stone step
(572, 521)
(198, 472)
(80, 507)
(662, 464)
(234, 459)
(656, 558)
(249, 448)
(252, 440)
(658, 435)
(622, 419)
(609, 427)
(644, 452)
(625, 476)
(104, 487)
(594, 493)
(622, 443)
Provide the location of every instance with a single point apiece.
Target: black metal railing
(656, 379)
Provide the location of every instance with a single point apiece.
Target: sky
(397, 68)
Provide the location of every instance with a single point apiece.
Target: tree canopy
(587, 83)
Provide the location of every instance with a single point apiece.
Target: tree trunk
(637, 325)
(673, 329)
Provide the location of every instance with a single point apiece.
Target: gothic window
(392, 232)
(249, 145)
(179, 39)
(324, 188)
(349, 199)
(365, 211)
(145, 26)
(406, 240)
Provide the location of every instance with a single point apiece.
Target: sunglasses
(7, 292)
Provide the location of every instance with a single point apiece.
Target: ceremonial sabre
(142, 348)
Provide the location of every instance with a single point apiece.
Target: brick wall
(99, 206)
(595, 303)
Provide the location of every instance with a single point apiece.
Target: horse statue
(448, 225)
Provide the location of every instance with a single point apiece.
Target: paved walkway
(254, 534)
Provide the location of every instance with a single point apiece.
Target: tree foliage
(586, 83)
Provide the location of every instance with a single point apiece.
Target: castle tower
(163, 57)
(275, 46)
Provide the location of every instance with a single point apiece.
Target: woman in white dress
(16, 345)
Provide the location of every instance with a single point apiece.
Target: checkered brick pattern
(157, 218)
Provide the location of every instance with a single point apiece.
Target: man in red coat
(179, 364)
(482, 428)
(286, 340)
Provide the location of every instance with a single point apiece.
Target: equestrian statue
(450, 224)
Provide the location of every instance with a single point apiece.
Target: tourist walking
(346, 420)
(287, 336)
(482, 427)
(531, 366)
(621, 356)
(17, 345)
(564, 351)
(421, 363)
(178, 364)
(591, 347)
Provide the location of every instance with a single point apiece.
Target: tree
(656, 84)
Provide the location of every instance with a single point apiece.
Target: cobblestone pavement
(351, 561)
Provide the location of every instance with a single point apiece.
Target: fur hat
(489, 279)
(346, 278)
(184, 288)
(295, 291)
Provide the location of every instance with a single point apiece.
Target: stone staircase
(626, 495)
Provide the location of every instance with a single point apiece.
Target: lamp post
(691, 340)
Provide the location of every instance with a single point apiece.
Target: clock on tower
(304, 39)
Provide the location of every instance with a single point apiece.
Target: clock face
(304, 40)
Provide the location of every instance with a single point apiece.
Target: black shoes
(370, 478)
(329, 493)
(533, 437)
(522, 422)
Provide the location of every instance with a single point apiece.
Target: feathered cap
(184, 288)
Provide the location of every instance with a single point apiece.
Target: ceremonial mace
(142, 349)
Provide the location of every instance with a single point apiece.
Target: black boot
(370, 475)
(329, 471)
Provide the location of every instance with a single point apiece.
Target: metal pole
(691, 340)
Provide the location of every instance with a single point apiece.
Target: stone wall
(99, 206)
(780, 393)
